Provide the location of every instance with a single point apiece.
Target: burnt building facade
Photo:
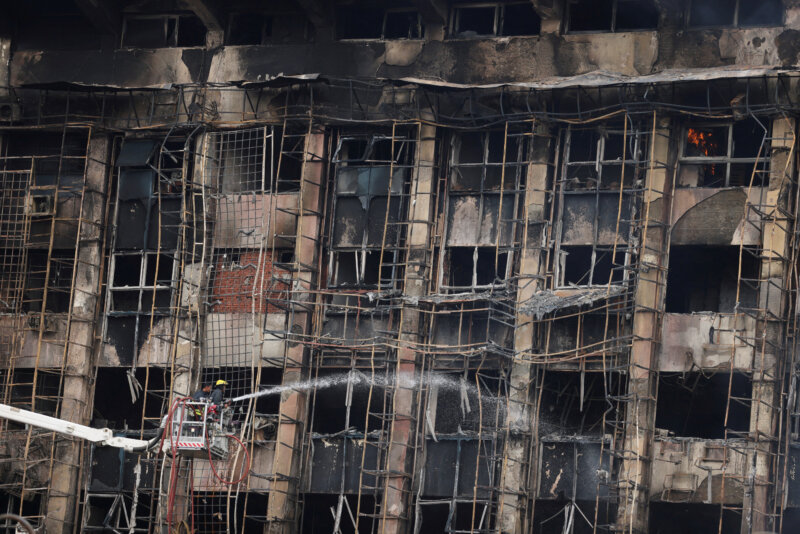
(508, 267)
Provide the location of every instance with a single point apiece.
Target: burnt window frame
(483, 391)
(401, 160)
(176, 17)
(499, 14)
(598, 254)
(728, 159)
(613, 29)
(252, 149)
(420, 27)
(505, 191)
(265, 146)
(735, 23)
(635, 155)
(171, 162)
(142, 289)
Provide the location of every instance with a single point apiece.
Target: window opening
(594, 158)
(142, 268)
(724, 155)
(163, 31)
(574, 403)
(47, 393)
(710, 13)
(463, 408)
(259, 160)
(368, 210)
(695, 404)
(115, 408)
(477, 266)
(59, 281)
(343, 406)
(482, 202)
(318, 516)
(560, 516)
(505, 19)
(691, 518)
(611, 15)
(454, 516)
(251, 28)
(587, 265)
(705, 279)
(361, 22)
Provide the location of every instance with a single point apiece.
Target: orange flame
(704, 142)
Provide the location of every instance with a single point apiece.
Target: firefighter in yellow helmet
(218, 393)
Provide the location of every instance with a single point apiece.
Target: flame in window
(704, 143)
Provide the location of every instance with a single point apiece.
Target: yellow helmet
(221, 383)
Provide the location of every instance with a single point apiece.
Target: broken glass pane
(136, 153)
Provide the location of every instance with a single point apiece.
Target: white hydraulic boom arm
(101, 436)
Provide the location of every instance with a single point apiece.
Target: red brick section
(232, 290)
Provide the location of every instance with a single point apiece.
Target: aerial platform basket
(198, 427)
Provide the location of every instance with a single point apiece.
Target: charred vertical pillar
(397, 485)
(770, 345)
(634, 473)
(198, 220)
(518, 445)
(78, 366)
(5, 56)
(282, 512)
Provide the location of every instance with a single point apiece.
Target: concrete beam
(105, 15)
(551, 13)
(207, 11)
(549, 8)
(432, 11)
(319, 12)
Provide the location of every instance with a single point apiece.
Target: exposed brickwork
(237, 282)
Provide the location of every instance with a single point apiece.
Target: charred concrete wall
(496, 266)
(444, 51)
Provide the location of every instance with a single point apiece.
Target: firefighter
(203, 393)
(217, 400)
(218, 393)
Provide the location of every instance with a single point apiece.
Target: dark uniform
(201, 395)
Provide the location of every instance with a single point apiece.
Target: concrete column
(188, 336)
(634, 475)
(282, 510)
(396, 488)
(79, 362)
(518, 447)
(770, 331)
(552, 14)
(187, 333)
(5, 59)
